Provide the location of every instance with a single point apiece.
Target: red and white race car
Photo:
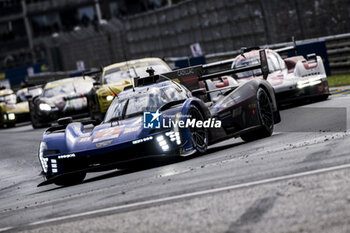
(292, 78)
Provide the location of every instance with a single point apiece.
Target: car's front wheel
(199, 136)
(265, 114)
(36, 124)
(71, 179)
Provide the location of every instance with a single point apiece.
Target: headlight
(174, 137)
(109, 97)
(302, 84)
(162, 143)
(309, 82)
(11, 116)
(44, 107)
(43, 160)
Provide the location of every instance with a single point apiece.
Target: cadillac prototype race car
(160, 118)
(65, 97)
(293, 78)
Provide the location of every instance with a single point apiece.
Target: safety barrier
(338, 50)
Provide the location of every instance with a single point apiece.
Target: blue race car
(158, 118)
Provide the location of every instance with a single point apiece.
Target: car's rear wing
(93, 73)
(191, 76)
(263, 66)
(45, 77)
(288, 48)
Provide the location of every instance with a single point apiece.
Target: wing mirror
(29, 96)
(65, 120)
(96, 84)
(199, 92)
(311, 57)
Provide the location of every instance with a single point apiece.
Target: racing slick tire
(72, 179)
(265, 114)
(199, 136)
(35, 122)
(322, 98)
(10, 125)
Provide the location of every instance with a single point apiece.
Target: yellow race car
(114, 78)
(11, 111)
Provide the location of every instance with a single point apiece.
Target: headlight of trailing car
(11, 116)
(109, 97)
(43, 160)
(44, 107)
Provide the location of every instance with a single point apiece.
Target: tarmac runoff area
(311, 203)
(297, 180)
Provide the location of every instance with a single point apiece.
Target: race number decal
(106, 134)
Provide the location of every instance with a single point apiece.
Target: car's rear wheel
(72, 179)
(322, 97)
(10, 125)
(265, 114)
(199, 136)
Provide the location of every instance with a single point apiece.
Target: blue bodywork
(117, 142)
(73, 148)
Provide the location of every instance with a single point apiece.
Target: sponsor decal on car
(65, 156)
(87, 139)
(132, 129)
(109, 133)
(142, 140)
(102, 144)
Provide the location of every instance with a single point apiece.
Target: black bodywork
(61, 104)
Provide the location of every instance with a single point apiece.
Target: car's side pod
(63, 122)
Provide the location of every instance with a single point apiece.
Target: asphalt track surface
(297, 180)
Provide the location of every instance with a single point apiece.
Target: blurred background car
(65, 97)
(294, 78)
(114, 78)
(11, 111)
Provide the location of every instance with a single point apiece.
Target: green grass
(339, 80)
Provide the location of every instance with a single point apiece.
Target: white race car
(292, 78)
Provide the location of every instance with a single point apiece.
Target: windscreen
(125, 73)
(68, 88)
(138, 103)
(251, 62)
(248, 62)
(9, 99)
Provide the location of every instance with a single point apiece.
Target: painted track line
(339, 92)
(343, 94)
(181, 196)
